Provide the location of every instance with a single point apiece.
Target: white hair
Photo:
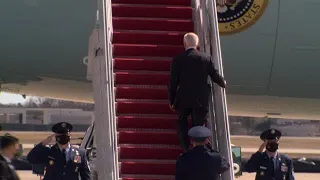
(190, 40)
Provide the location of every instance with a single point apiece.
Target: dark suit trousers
(198, 116)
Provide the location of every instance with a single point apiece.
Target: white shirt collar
(274, 157)
(190, 48)
(6, 158)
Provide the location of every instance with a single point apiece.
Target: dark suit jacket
(200, 163)
(53, 159)
(188, 86)
(7, 172)
(260, 163)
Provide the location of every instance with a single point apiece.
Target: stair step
(143, 86)
(142, 100)
(149, 10)
(148, 37)
(155, 161)
(147, 34)
(146, 57)
(147, 122)
(150, 146)
(149, 153)
(146, 177)
(155, 2)
(141, 64)
(150, 115)
(146, 50)
(148, 167)
(159, 24)
(154, 130)
(133, 137)
(127, 92)
(141, 78)
(134, 107)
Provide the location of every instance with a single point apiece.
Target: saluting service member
(200, 163)
(188, 88)
(270, 164)
(62, 161)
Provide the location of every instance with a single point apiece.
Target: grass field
(27, 175)
(304, 146)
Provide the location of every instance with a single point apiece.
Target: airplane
(269, 53)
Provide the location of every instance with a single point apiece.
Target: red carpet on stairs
(147, 34)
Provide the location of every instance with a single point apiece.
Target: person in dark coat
(62, 161)
(9, 149)
(270, 164)
(200, 162)
(188, 88)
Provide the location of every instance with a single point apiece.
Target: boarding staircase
(130, 73)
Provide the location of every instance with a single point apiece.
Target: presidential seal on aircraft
(236, 15)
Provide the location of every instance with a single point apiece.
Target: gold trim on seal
(245, 21)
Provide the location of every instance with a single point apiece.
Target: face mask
(272, 147)
(63, 139)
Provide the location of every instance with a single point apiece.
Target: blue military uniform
(200, 162)
(61, 166)
(279, 167)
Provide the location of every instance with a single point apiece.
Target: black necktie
(64, 156)
(272, 166)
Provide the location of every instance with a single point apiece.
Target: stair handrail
(100, 71)
(208, 32)
(112, 101)
(202, 30)
(220, 100)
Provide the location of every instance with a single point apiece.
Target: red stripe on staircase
(147, 34)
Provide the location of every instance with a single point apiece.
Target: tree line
(38, 102)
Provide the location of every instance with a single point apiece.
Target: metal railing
(206, 25)
(100, 71)
(109, 58)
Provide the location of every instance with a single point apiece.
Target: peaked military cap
(199, 132)
(270, 134)
(62, 128)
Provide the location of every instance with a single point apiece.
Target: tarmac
(243, 150)
(27, 175)
(246, 152)
(294, 146)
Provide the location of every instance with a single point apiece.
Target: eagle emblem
(236, 15)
